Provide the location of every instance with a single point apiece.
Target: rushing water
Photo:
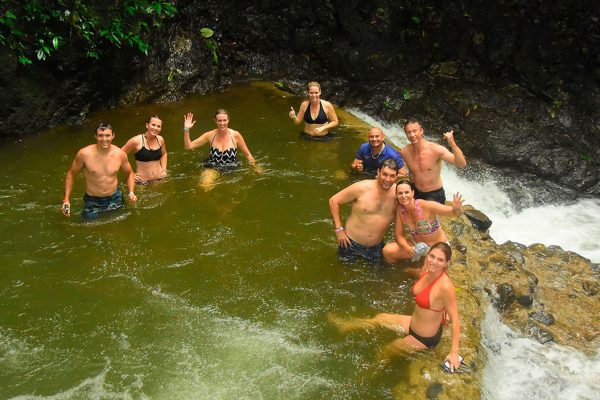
(518, 367)
(193, 294)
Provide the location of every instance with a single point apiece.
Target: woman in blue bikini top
(318, 115)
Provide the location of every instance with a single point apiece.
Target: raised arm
(457, 157)
(76, 166)
(297, 118)
(445, 211)
(188, 123)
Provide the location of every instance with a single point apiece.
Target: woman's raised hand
(188, 121)
(457, 202)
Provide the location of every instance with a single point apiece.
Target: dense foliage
(37, 29)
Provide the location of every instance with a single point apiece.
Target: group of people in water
(407, 190)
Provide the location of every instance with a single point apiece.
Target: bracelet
(338, 230)
(186, 129)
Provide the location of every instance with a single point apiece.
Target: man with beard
(424, 161)
(373, 208)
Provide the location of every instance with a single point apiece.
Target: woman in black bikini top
(318, 115)
(150, 152)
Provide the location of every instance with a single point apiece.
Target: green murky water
(190, 294)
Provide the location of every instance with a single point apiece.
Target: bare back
(372, 212)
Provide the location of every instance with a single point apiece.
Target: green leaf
(406, 95)
(24, 60)
(206, 32)
(55, 42)
(415, 19)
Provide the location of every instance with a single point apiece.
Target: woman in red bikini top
(435, 298)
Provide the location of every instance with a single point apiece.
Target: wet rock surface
(506, 76)
(558, 309)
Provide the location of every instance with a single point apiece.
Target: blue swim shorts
(356, 251)
(94, 206)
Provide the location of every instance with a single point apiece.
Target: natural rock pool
(195, 294)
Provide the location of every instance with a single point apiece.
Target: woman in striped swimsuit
(224, 143)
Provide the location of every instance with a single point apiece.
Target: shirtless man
(373, 208)
(424, 161)
(372, 154)
(100, 163)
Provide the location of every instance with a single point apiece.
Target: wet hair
(102, 127)
(313, 83)
(405, 181)
(445, 248)
(222, 111)
(390, 163)
(412, 120)
(154, 116)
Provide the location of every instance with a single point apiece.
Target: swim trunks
(371, 163)
(324, 138)
(93, 206)
(321, 116)
(438, 195)
(429, 342)
(356, 251)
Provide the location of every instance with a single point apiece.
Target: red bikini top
(422, 299)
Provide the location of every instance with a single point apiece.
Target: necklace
(375, 157)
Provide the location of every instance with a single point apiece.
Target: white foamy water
(518, 367)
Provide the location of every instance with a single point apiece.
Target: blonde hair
(310, 84)
(222, 111)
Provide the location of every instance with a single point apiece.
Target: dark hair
(102, 127)
(222, 111)
(445, 248)
(405, 181)
(412, 120)
(390, 163)
(154, 116)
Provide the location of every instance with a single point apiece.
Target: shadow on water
(189, 293)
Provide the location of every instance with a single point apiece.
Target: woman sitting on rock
(435, 299)
(418, 219)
